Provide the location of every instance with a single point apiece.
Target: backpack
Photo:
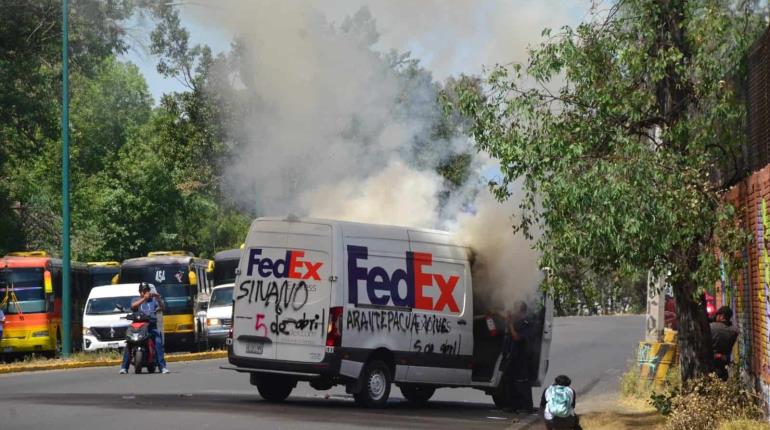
(560, 402)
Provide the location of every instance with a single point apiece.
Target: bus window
(21, 290)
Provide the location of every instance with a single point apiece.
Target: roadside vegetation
(701, 403)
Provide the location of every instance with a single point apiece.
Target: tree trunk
(695, 353)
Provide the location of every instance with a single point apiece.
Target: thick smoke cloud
(338, 129)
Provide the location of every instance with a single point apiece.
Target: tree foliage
(615, 129)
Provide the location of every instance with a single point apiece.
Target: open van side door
(545, 345)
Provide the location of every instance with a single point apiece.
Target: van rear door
(283, 292)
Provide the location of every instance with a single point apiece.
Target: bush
(706, 402)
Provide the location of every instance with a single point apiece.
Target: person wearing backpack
(558, 405)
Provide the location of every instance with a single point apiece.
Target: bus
(31, 298)
(184, 283)
(225, 263)
(103, 272)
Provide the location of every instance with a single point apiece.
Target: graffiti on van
(292, 296)
(378, 321)
(382, 288)
(448, 347)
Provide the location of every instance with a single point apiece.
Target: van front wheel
(274, 388)
(375, 386)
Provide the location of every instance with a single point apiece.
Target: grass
(35, 359)
(623, 414)
(744, 425)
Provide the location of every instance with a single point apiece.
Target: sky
(449, 37)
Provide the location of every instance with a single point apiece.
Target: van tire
(417, 394)
(375, 385)
(274, 388)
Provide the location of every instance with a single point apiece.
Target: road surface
(594, 351)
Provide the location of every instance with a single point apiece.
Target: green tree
(616, 162)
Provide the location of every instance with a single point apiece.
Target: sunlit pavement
(593, 351)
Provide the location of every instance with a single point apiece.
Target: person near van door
(149, 303)
(517, 376)
(558, 405)
(723, 337)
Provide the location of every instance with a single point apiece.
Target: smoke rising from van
(334, 128)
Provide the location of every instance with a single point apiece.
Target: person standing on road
(517, 383)
(558, 405)
(723, 337)
(149, 303)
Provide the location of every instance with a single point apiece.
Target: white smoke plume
(332, 131)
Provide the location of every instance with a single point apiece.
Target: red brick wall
(747, 292)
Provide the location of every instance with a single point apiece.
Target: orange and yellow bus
(183, 281)
(30, 297)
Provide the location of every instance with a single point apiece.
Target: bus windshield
(21, 290)
(178, 298)
(222, 297)
(99, 279)
(224, 271)
(109, 305)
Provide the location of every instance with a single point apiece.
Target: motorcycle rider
(149, 303)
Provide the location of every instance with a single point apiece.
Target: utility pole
(66, 309)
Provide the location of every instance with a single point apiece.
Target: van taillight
(334, 328)
(229, 340)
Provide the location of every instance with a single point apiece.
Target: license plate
(113, 344)
(254, 348)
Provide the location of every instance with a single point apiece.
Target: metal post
(66, 346)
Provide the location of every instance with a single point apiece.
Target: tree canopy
(616, 129)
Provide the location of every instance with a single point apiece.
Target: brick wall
(748, 292)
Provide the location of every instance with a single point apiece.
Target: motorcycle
(140, 342)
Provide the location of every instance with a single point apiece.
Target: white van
(104, 325)
(366, 306)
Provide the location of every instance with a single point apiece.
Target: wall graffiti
(382, 320)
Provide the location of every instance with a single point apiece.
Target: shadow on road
(331, 409)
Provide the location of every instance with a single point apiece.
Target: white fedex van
(104, 325)
(367, 306)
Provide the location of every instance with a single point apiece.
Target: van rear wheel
(375, 385)
(274, 388)
(417, 394)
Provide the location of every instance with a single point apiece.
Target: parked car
(104, 325)
(219, 315)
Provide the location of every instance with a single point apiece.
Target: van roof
(219, 287)
(360, 225)
(117, 290)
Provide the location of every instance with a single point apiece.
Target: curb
(63, 365)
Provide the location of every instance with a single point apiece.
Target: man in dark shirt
(519, 389)
(723, 337)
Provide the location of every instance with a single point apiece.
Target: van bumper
(329, 367)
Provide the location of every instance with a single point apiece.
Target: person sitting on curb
(558, 405)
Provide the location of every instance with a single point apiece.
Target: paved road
(593, 351)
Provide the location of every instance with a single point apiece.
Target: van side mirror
(47, 282)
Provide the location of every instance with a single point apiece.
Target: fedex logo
(382, 287)
(293, 266)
